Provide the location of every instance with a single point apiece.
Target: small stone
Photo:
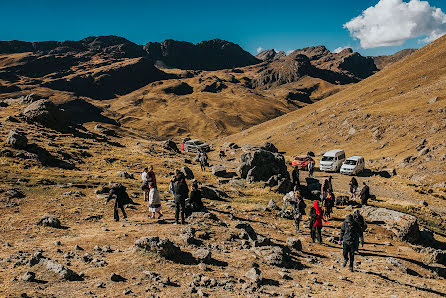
(117, 278)
(254, 275)
(77, 247)
(57, 243)
(29, 276)
(100, 284)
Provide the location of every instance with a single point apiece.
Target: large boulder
(219, 171)
(17, 140)
(163, 246)
(212, 193)
(50, 221)
(187, 173)
(62, 271)
(404, 226)
(46, 113)
(260, 165)
(272, 255)
(170, 145)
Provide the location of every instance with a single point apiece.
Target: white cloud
(259, 49)
(340, 49)
(392, 22)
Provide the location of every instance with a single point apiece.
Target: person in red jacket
(316, 218)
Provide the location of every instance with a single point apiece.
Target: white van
(353, 165)
(332, 160)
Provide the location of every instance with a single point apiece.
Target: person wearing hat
(347, 238)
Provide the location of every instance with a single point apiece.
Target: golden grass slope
(385, 117)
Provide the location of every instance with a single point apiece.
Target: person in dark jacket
(316, 218)
(181, 193)
(118, 191)
(349, 233)
(194, 203)
(295, 177)
(365, 194)
(359, 220)
(353, 187)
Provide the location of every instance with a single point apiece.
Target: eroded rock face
(46, 113)
(260, 165)
(404, 226)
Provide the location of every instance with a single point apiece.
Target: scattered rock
(14, 193)
(203, 255)
(124, 174)
(219, 171)
(74, 193)
(272, 255)
(29, 276)
(117, 278)
(433, 100)
(294, 242)
(17, 140)
(171, 145)
(254, 275)
(50, 221)
(64, 272)
(212, 193)
(163, 246)
(273, 206)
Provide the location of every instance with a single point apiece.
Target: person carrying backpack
(299, 206)
(181, 193)
(316, 218)
(347, 238)
(359, 220)
(118, 192)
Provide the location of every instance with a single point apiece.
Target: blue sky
(283, 25)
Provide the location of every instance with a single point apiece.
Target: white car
(332, 160)
(196, 146)
(353, 165)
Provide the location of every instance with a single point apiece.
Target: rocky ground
(59, 238)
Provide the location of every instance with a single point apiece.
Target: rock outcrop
(404, 226)
(46, 113)
(260, 165)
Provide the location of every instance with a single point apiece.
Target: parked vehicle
(353, 165)
(301, 161)
(332, 160)
(196, 146)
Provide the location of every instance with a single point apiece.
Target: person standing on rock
(121, 198)
(154, 201)
(299, 206)
(310, 166)
(353, 187)
(347, 238)
(295, 177)
(316, 218)
(362, 226)
(365, 194)
(181, 193)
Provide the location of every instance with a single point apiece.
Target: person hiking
(310, 166)
(181, 193)
(327, 205)
(353, 187)
(299, 206)
(316, 218)
(295, 177)
(194, 203)
(145, 183)
(152, 178)
(286, 201)
(362, 226)
(330, 184)
(118, 192)
(172, 185)
(347, 238)
(154, 201)
(203, 160)
(364, 194)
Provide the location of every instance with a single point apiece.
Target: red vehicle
(301, 161)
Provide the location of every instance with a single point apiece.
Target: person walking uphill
(316, 218)
(349, 233)
(181, 193)
(121, 199)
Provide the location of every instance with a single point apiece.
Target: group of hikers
(185, 204)
(352, 228)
